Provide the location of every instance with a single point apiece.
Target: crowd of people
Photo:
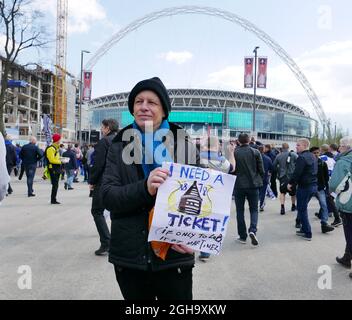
(128, 189)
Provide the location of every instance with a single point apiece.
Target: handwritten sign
(193, 208)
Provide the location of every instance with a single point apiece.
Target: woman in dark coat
(131, 179)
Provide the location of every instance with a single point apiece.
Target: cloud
(177, 57)
(82, 14)
(327, 68)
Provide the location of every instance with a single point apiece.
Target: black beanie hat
(155, 85)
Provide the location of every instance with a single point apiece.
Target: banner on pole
(262, 73)
(248, 72)
(193, 208)
(87, 86)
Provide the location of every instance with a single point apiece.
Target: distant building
(27, 104)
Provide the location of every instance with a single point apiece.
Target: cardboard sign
(193, 208)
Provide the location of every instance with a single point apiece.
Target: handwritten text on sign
(193, 208)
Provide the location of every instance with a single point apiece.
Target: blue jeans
(303, 197)
(262, 193)
(252, 195)
(321, 196)
(30, 173)
(70, 176)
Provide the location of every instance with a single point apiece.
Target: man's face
(343, 149)
(147, 108)
(300, 147)
(104, 130)
(316, 153)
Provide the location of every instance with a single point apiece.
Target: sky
(200, 51)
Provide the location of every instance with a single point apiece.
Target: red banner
(87, 86)
(262, 72)
(248, 72)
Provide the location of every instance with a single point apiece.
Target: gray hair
(346, 142)
(33, 140)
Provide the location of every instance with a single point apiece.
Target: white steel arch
(247, 25)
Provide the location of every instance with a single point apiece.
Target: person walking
(305, 178)
(30, 154)
(271, 153)
(284, 165)
(54, 166)
(70, 167)
(109, 129)
(11, 159)
(250, 174)
(210, 158)
(341, 184)
(268, 168)
(323, 189)
(145, 271)
(329, 158)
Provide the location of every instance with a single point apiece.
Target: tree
(21, 29)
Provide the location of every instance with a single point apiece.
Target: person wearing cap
(52, 154)
(146, 270)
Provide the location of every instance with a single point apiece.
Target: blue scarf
(153, 157)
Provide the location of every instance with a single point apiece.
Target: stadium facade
(222, 113)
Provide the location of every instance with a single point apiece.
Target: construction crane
(60, 100)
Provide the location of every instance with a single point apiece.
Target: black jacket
(72, 164)
(306, 170)
(11, 158)
(30, 154)
(125, 195)
(249, 168)
(100, 153)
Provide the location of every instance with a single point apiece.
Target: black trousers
(54, 177)
(347, 228)
(273, 184)
(99, 219)
(170, 284)
(9, 170)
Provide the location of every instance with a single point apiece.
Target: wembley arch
(226, 15)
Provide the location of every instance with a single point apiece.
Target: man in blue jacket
(70, 167)
(305, 177)
(341, 184)
(30, 154)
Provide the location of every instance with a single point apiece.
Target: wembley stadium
(223, 113)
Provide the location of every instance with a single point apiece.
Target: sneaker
(254, 239)
(31, 195)
(282, 212)
(325, 228)
(55, 202)
(303, 235)
(102, 251)
(70, 188)
(261, 209)
(344, 261)
(241, 240)
(65, 186)
(293, 208)
(336, 223)
(204, 257)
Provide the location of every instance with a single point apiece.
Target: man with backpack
(284, 166)
(52, 155)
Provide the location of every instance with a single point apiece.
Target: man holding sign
(132, 178)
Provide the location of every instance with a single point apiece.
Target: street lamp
(255, 86)
(80, 98)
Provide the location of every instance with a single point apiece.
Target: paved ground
(58, 242)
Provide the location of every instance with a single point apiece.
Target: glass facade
(267, 122)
